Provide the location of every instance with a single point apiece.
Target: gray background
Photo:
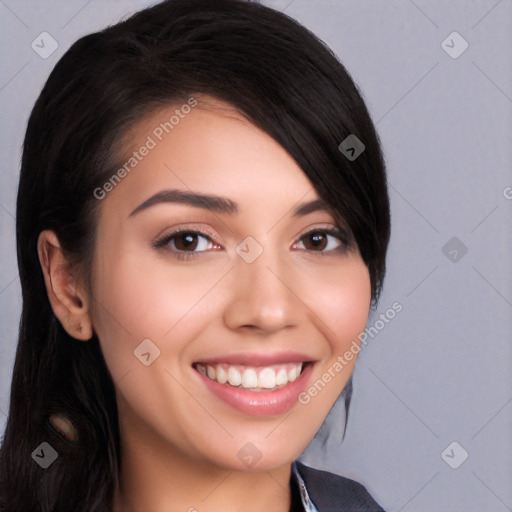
(441, 370)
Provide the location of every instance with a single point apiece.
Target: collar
(321, 491)
(304, 496)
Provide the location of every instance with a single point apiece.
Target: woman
(202, 225)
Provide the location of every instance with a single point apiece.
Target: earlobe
(70, 302)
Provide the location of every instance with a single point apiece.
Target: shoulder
(334, 493)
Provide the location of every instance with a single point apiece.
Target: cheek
(344, 304)
(139, 298)
(141, 302)
(342, 309)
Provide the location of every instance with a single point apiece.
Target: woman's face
(221, 293)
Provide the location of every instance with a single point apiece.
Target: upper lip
(258, 359)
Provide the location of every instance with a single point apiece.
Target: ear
(70, 302)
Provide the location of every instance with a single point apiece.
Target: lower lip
(260, 403)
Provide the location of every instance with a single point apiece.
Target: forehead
(210, 148)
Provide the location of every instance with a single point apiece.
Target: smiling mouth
(253, 378)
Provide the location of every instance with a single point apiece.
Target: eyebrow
(310, 207)
(216, 203)
(207, 202)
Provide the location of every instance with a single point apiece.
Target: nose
(262, 298)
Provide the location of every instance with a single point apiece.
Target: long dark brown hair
(284, 79)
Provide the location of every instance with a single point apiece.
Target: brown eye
(186, 241)
(323, 241)
(315, 242)
(186, 244)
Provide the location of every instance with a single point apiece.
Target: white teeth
(222, 375)
(234, 377)
(210, 371)
(281, 377)
(292, 374)
(266, 378)
(249, 378)
(270, 377)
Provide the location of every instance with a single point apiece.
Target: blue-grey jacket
(321, 491)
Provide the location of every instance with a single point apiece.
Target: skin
(179, 442)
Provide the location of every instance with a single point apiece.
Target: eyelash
(163, 242)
